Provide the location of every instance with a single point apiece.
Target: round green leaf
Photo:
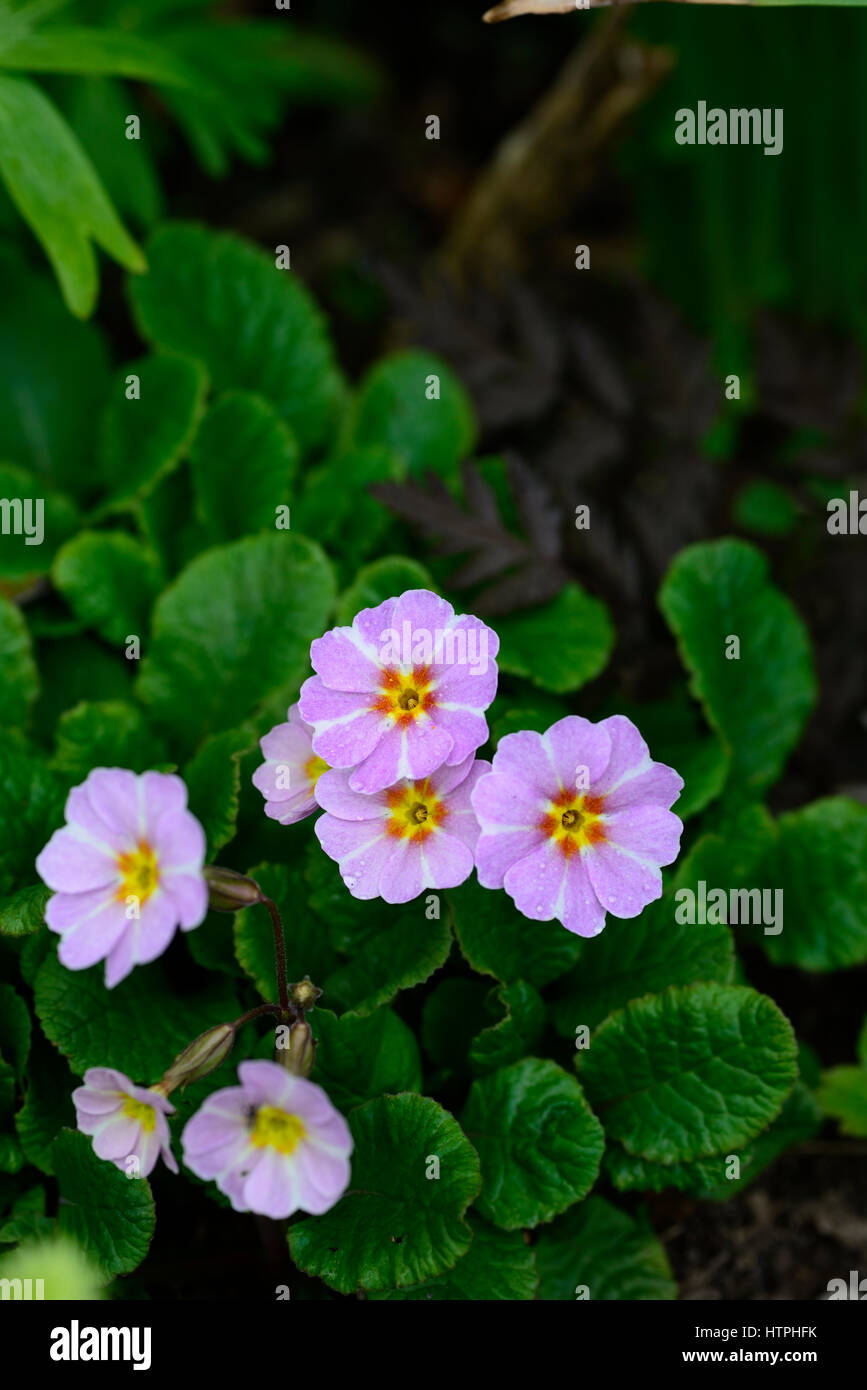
(215, 297)
(110, 1215)
(820, 862)
(144, 436)
(213, 779)
(233, 498)
(560, 646)
(513, 1035)
(599, 1247)
(498, 940)
(105, 733)
(399, 407)
(360, 1057)
(414, 1173)
(539, 1142)
(640, 956)
(110, 581)
(694, 1071)
(498, 1265)
(757, 702)
(234, 628)
(139, 1027)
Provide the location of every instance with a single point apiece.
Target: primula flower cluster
(573, 823)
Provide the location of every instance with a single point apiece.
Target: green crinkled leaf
(20, 560)
(19, 678)
(213, 779)
(143, 437)
(404, 951)
(22, 912)
(55, 373)
(385, 578)
(58, 193)
(111, 1216)
(360, 1057)
(14, 1029)
(498, 940)
(709, 1178)
(498, 1265)
(513, 1035)
(234, 628)
(110, 581)
(635, 957)
(612, 1255)
(233, 497)
(32, 800)
(105, 733)
(759, 702)
(390, 947)
(215, 297)
(560, 646)
(395, 1226)
(690, 1072)
(391, 409)
(819, 860)
(539, 1142)
(47, 1105)
(308, 949)
(842, 1094)
(138, 1027)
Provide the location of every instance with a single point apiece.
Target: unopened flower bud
(299, 1054)
(202, 1056)
(228, 891)
(305, 993)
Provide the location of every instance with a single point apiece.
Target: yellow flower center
(282, 1131)
(416, 810)
(573, 821)
(314, 769)
(140, 1110)
(139, 873)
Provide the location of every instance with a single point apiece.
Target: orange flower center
(404, 698)
(573, 821)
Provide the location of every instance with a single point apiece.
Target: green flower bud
(300, 1054)
(202, 1056)
(228, 891)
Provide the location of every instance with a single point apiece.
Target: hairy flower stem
(279, 954)
(255, 1013)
